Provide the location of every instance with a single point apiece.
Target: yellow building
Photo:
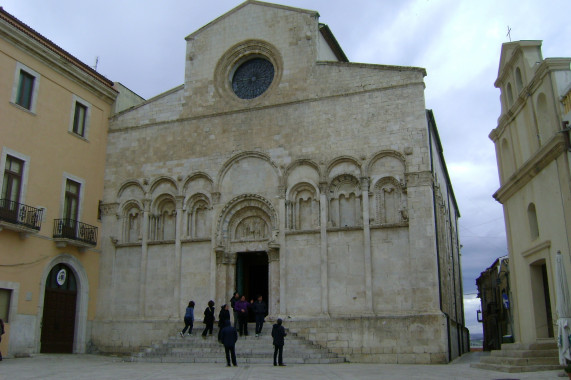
(53, 131)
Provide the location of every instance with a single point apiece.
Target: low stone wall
(418, 339)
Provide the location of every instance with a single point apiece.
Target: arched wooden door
(58, 320)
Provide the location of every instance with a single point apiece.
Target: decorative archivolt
(302, 162)
(132, 221)
(131, 183)
(339, 161)
(302, 207)
(197, 177)
(390, 202)
(383, 154)
(251, 209)
(164, 180)
(162, 220)
(345, 202)
(248, 154)
(198, 216)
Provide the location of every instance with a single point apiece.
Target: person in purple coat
(241, 308)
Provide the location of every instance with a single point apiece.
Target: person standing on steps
(188, 319)
(208, 319)
(260, 310)
(223, 316)
(229, 337)
(235, 298)
(278, 333)
(241, 308)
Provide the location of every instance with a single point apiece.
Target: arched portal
(59, 312)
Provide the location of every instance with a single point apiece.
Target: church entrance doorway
(541, 300)
(252, 276)
(58, 319)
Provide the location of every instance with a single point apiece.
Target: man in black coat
(260, 310)
(229, 336)
(278, 333)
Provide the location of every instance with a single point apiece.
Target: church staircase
(249, 350)
(517, 357)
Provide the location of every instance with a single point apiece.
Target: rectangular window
(71, 201)
(25, 90)
(79, 119)
(12, 182)
(5, 295)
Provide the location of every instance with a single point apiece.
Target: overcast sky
(141, 44)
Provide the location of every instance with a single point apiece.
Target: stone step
(249, 349)
(514, 369)
(506, 360)
(526, 353)
(529, 346)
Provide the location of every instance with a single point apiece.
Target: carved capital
(179, 199)
(273, 254)
(365, 183)
(219, 257)
(282, 191)
(216, 197)
(146, 204)
(323, 187)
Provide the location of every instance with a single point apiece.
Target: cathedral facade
(282, 169)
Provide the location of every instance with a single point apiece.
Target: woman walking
(188, 319)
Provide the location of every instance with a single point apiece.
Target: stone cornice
(548, 153)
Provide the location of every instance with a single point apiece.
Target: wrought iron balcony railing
(74, 230)
(21, 214)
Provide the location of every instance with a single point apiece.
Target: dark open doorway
(252, 276)
(58, 319)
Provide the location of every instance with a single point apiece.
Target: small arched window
(518, 80)
(510, 94)
(532, 217)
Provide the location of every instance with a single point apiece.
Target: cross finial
(509, 35)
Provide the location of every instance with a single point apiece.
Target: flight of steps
(249, 350)
(517, 357)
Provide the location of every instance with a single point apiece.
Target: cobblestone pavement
(63, 367)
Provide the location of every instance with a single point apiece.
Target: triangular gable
(247, 3)
(508, 51)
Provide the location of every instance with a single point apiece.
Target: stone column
(323, 188)
(144, 253)
(367, 244)
(281, 303)
(178, 306)
(274, 302)
(221, 269)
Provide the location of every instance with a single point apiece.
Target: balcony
(72, 232)
(19, 217)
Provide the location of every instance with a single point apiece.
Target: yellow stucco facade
(53, 137)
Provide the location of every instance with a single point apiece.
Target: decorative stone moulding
(235, 57)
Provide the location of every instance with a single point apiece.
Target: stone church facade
(280, 168)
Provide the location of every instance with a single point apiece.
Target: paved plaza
(62, 367)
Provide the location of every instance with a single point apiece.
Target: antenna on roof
(96, 62)
(509, 35)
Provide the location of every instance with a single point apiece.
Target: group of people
(228, 334)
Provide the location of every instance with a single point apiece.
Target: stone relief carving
(251, 228)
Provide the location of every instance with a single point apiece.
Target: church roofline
(374, 66)
(332, 42)
(244, 4)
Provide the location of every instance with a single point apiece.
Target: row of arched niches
(249, 187)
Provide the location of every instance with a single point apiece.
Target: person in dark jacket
(223, 316)
(241, 308)
(235, 298)
(229, 338)
(260, 310)
(188, 319)
(208, 319)
(1, 333)
(278, 333)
